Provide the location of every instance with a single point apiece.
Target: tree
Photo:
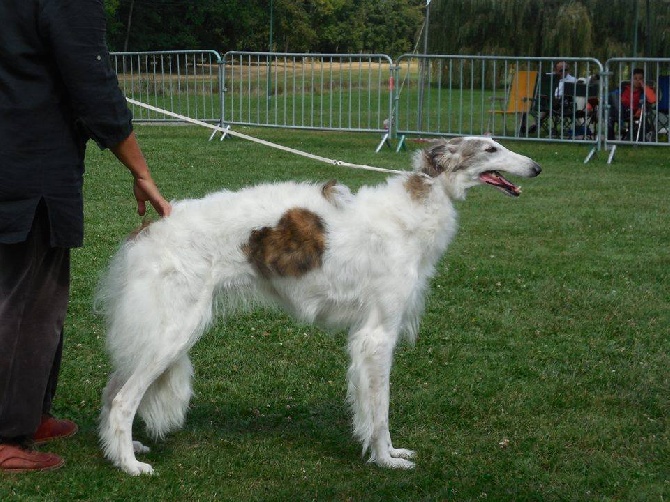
(569, 28)
(570, 34)
(390, 25)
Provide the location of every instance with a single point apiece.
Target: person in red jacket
(635, 94)
(57, 91)
(626, 104)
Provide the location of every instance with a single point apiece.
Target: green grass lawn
(541, 371)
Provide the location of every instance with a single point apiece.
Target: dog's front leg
(371, 352)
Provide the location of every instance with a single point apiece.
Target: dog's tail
(164, 405)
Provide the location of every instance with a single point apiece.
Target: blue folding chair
(663, 106)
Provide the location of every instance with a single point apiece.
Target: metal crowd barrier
(649, 123)
(433, 95)
(183, 82)
(503, 97)
(346, 92)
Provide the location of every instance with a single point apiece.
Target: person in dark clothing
(57, 90)
(557, 80)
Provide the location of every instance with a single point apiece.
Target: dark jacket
(57, 90)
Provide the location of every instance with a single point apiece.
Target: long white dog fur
(359, 262)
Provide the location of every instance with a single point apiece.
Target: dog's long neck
(413, 214)
(427, 215)
(441, 219)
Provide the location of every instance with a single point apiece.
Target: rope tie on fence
(227, 130)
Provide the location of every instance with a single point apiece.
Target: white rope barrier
(227, 130)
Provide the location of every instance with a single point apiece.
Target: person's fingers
(141, 207)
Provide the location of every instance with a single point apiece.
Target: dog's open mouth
(497, 180)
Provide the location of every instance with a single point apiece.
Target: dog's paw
(394, 458)
(394, 463)
(140, 448)
(136, 468)
(402, 453)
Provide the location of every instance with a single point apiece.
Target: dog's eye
(491, 149)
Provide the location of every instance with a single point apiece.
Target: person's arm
(649, 95)
(129, 153)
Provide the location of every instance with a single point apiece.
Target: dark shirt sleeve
(76, 33)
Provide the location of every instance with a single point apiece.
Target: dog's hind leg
(371, 352)
(164, 405)
(116, 426)
(153, 371)
(117, 420)
(113, 387)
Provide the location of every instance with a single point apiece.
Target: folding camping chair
(662, 119)
(553, 114)
(575, 118)
(518, 99)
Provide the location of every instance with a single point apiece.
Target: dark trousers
(34, 292)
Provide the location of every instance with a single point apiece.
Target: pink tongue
(497, 180)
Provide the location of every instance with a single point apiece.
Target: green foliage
(540, 373)
(344, 26)
(574, 28)
(571, 33)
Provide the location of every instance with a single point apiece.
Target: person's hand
(129, 153)
(146, 190)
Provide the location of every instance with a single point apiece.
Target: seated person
(560, 75)
(632, 96)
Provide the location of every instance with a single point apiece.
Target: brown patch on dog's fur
(417, 186)
(336, 194)
(328, 191)
(292, 248)
(432, 166)
(145, 224)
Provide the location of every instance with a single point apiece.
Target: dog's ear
(440, 157)
(454, 144)
(430, 159)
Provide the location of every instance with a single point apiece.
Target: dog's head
(465, 162)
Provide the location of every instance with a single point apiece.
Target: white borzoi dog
(343, 261)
